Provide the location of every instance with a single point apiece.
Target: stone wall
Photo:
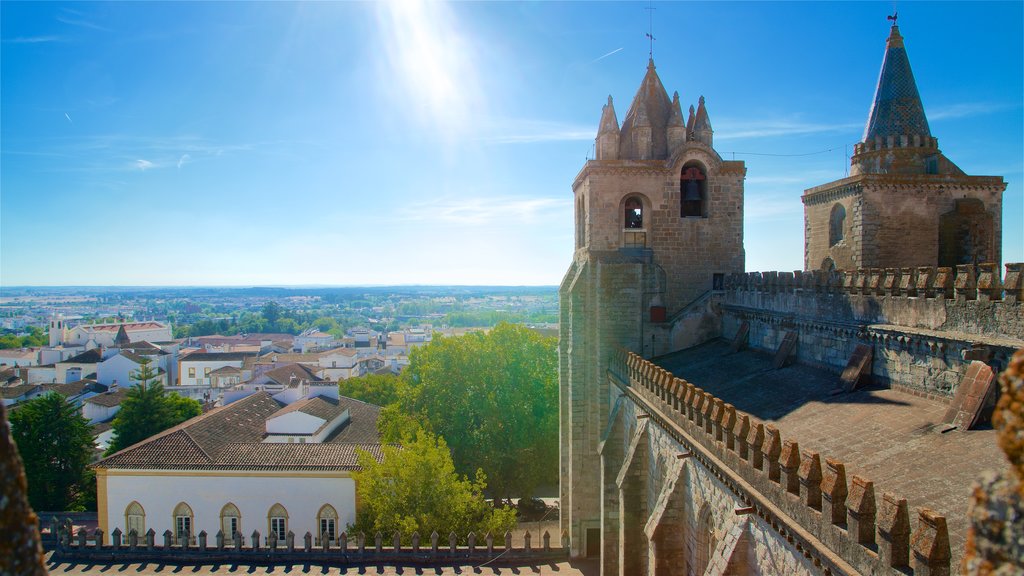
(924, 324)
(741, 498)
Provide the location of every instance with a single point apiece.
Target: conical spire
(676, 126)
(121, 340)
(897, 109)
(702, 131)
(607, 142)
(676, 117)
(609, 122)
(643, 129)
(689, 124)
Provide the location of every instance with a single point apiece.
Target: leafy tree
(271, 311)
(416, 489)
(379, 389)
(55, 443)
(147, 409)
(494, 398)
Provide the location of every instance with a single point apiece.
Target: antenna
(650, 27)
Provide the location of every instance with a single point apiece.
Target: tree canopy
(416, 489)
(148, 409)
(56, 444)
(494, 397)
(379, 389)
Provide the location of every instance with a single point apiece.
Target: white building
(103, 407)
(312, 339)
(96, 335)
(123, 366)
(194, 370)
(234, 469)
(339, 363)
(20, 357)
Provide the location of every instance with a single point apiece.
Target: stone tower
(904, 203)
(659, 223)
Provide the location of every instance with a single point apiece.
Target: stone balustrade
(346, 549)
(845, 517)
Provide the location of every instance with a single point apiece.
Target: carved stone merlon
(740, 431)
(834, 491)
(930, 543)
(789, 463)
(894, 530)
(965, 285)
(1013, 283)
(771, 449)
(755, 439)
(990, 287)
(810, 478)
(861, 509)
(942, 285)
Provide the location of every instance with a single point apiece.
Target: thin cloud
(483, 211)
(533, 131)
(69, 118)
(966, 110)
(185, 159)
(731, 130)
(81, 23)
(34, 39)
(144, 165)
(599, 58)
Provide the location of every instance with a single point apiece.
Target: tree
(379, 389)
(416, 489)
(271, 312)
(56, 444)
(147, 409)
(494, 398)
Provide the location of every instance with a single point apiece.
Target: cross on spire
(650, 24)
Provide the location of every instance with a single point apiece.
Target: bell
(692, 193)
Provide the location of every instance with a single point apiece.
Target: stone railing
(962, 284)
(392, 549)
(806, 499)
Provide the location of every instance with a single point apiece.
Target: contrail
(606, 55)
(72, 121)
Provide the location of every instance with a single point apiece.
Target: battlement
(837, 524)
(941, 283)
(901, 141)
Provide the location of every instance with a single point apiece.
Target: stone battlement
(943, 283)
(838, 524)
(901, 141)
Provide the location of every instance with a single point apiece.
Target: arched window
(706, 540)
(836, 223)
(134, 519)
(277, 521)
(230, 522)
(327, 521)
(183, 522)
(634, 218)
(693, 190)
(828, 266)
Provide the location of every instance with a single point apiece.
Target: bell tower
(659, 224)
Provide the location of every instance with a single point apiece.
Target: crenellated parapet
(839, 524)
(963, 283)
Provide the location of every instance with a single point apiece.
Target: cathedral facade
(717, 421)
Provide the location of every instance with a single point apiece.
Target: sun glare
(428, 56)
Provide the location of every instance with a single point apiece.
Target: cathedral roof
(651, 107)
(897, 108)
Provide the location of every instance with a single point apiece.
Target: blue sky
(406, 143)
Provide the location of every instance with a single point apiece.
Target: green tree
(379, 389)
(148, 409)
(494, 398)
(56, 444)
(416, 489)
(271, 312)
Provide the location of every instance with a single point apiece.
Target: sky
(359, 143)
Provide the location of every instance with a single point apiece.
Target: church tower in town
(904, 203)
(659, 225)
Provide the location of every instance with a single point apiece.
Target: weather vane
(893, 17)
(650, 25)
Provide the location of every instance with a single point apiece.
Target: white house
(20, 357)
(78, 367)
(123, 366)
(312, 339)
(229, 470)
(195, 370)
(103, 407)
(339, 363)
(95, 335)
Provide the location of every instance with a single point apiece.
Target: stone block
(861, 510)
(834, 491)
(894, 531)
(930, 543)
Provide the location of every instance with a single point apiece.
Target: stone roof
(897, 108)
(231, 438)
(93, 356)
(203, 356)
(880, 433)
(108, 399)
(651, 107)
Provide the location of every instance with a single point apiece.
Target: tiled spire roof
(650, 108)
(897, 108)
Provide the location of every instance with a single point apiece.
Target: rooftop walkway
(890, 437)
